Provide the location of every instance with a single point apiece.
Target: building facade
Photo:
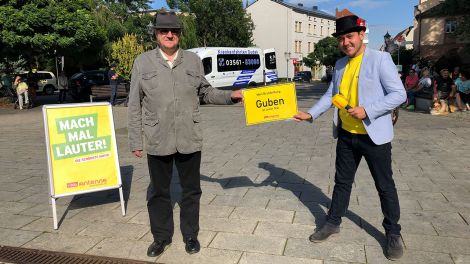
(292, 30)
(404, 39)
(434, 32)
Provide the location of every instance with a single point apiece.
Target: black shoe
(324, 233)
(394, 248)
(157, 247)
(192, 245)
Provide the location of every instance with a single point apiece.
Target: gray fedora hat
(167, 20)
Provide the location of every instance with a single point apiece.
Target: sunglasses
(165, 31)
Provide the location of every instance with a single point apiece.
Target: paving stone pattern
(265, 189)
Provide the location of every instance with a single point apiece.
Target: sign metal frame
(114, 151)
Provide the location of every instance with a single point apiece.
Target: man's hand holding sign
(270, 103)
(340, 102)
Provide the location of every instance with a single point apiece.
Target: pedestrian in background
(63, 86)
(7, 83)
(411, 85)
(463, 91)
(21, 90)
(32, 78)
(455, 73)
(113, 82)
(368, 80)
(443, 91)
(425, 83)
(165, 121)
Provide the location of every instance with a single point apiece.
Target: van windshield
(207, 64)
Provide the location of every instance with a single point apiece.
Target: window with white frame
(298, 46)
(450, 26)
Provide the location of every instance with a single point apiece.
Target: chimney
(315, 7)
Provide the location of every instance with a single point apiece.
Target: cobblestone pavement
(265, 188)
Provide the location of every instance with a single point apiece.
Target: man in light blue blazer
(369, 81)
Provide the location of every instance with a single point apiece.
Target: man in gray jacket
(164, 120)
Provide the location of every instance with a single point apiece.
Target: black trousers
(159, 199)
(62, 95)
(349, 151)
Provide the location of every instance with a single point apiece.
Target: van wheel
(252, 85)
(49, 90)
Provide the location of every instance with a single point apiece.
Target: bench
(423, 102)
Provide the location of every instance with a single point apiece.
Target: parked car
(303, 76)
(47, 82)
(96, 83)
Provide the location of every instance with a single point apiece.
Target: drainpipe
(419, 34)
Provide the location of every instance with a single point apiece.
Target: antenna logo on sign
(80, 137)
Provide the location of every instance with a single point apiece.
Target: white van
(47, 81)
(235, 68)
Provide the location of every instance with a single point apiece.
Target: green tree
(124, 52)
(34, 28)
(189, 38)
(326, 52)
(120, 17)
(125, 8)
(182, 5)
(222, 23)
(406, 56)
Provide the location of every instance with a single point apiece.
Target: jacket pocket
(149, 75)
(149, 80)
(150, 121)
(151, 130)
(197, 126)
(193, 78)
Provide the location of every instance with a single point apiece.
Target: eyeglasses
(165, 31)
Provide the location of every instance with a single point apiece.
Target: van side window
(207, 64)
(237, 62)
(270, 60)
(44, 76)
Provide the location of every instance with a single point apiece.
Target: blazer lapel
(339, 73)
(362, 73)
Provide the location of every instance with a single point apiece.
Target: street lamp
(287, 55)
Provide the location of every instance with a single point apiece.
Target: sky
(381, 15)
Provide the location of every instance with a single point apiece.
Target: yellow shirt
(349, 88)
(21, 88)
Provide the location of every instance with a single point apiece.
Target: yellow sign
(81, 148)
(270, 103)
